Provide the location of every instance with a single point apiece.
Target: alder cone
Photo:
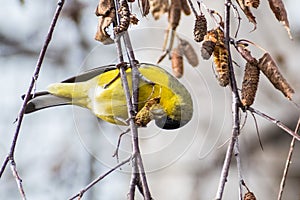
(250, 83)
(133, 19)
(221, 62)
(124, 13)
(249, 196)
(221, 59)
(200, 28)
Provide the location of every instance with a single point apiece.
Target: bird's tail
(41, 100)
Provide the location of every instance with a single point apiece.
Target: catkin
(250, 83)
(124, 13)
(221, 59)
(221, 62)
(188, 51)
(177, 62)
(200, 28)
(209, 43)
(268, 66)
(174, 13)
(249, 196)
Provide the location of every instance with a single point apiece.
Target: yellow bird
(97, 90)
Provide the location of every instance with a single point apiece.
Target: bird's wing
(87, 75)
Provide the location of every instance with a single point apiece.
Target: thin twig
(18, 179)
(134, 166)
(275, 121)
(287, 163)
(235, 106)
(134, 179)
(257, 131)
(135, 72)
(138, 167)
(146, 190)
(225, 169)
(135, 143)
(116, 153)
(239, 167)
(132, 107)
(10, 156)
(239, 19)
(82, 191)
(193, 8)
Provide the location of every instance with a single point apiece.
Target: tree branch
(132, 106)
(10, 157)
(287, 163)
(135, 72)
(239, 167)
(235, 106)
(81, 193)
(275, 121)
(18, 179)
(135, 141)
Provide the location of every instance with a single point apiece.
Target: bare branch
(81, 193)
(10, 157)
(287, 163)
(239, 167)
(135, 143)
(135, 71)
(18, 179)
(193, 8)
(276, 122)
(132, 106)
(225, 169)
(116, 153)
(235, 106)
(257, 131)
(134, 179)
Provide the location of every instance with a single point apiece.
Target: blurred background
(60, 150)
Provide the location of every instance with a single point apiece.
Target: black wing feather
(89, 74)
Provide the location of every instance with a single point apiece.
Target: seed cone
(250, 83)
(200, 28)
